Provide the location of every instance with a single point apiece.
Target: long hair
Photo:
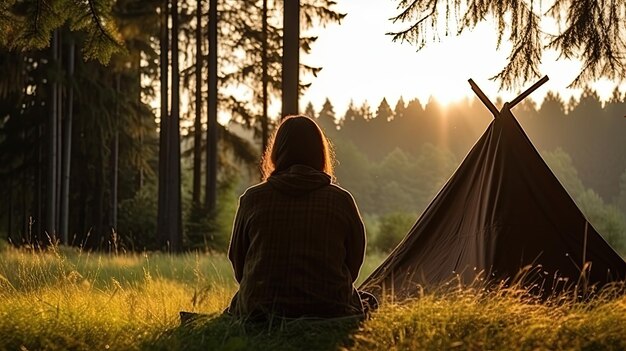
(297, 140)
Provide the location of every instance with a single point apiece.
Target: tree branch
(96, 20)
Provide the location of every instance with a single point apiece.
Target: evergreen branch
(37, 15)
(403, 33)
(404, 14)
(98, 22)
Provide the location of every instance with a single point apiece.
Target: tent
(501, 213)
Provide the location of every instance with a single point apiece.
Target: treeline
(85, 158)
(394, 160)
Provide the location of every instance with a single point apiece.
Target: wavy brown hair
(298, 140)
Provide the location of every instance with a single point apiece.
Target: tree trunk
(10, 214)
(99, 209)
(162, 215)
(26, 179)
(37, 201)
(59, 140)
(141, 177)
(291, 57)
(67, 148)
(264, 78)
(211, 163)
(114, 157)
(52, 146)
(174, 196)
(197, 127)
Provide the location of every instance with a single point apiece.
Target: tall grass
(64, 299)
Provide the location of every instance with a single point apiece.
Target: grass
(65, 299)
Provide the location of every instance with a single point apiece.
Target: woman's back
(298, 243)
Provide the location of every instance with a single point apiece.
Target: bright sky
(360, 62)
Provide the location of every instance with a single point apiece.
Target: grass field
(69, 300)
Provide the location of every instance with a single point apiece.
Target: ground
(67, 299)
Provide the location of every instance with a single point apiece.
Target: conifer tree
(326, 117)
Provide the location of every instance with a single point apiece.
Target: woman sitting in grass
(298, 240)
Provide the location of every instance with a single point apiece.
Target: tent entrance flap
(491, 107)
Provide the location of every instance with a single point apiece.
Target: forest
(103, 102)
(131, 155)
(394, 160)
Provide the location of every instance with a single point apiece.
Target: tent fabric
(501, 211)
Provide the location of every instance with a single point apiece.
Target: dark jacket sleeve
(239, 240)
(355, 242)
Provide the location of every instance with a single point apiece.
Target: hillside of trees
(394, 160)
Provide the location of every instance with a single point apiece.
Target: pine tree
(400, 109)
(309, 110)
(384, 112)
(291, 57)
(326, 118)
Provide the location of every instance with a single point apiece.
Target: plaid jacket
(297, 246)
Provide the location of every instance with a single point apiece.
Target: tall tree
(309, 110)
(384, 112)
(174, 186)
(400, 108)
(210, 201)
(51, 190)
(197, 126)
(291, 57)
(67, 147)
(114, 161)
(327, 119)
(163, 214)
(264, 76)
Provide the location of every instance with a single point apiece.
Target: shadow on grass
(223, 332)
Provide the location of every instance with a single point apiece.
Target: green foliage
(32, 24)
(608, 220)
(392, 229)
(401, 181)
(561, 164)
(621, 198)
(137, 219)
(211, 232)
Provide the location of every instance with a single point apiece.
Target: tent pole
(484, 98)
(523, 95)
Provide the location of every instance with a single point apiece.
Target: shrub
(392, 229)
(211, 231)
(137, 219)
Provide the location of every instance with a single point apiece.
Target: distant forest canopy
(408, 151)
(395, 160)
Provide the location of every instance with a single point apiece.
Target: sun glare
(361, 63)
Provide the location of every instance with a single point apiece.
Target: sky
(360, 62)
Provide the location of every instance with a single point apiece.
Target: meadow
(66, 299)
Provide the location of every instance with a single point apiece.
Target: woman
(298, 240)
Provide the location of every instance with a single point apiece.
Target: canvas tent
(501, 211)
